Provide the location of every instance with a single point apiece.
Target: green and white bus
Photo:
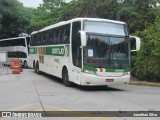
(84, 51)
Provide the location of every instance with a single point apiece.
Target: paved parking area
(31, 92)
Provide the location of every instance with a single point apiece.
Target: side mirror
(135, 43)
(83, 38)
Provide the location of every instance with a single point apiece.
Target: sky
(33, 3)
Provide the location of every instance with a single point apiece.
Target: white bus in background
(17, 47)
(84, 51)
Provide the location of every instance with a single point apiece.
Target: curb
(144, 83)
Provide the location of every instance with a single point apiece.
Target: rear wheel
(34, 67)
(37, 68)
(65, 78)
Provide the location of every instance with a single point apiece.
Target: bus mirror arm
(138, 43)
(83, 38)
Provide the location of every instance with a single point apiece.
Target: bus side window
(50, 39)
(31, 43)
(41, 37)
(56, 35)
(45, 38)
(2, 44)
(66, 34)
(61, 29)
(33, 40)
(10, 42)
(53, 36)
(38, 39)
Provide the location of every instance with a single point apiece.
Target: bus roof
(77, 19)
(12, 38)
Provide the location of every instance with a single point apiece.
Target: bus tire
(25, 65)
(34, 67)
(65, 78)
(37, 68)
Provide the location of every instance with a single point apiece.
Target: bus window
(35, 42)
(76, 43)
(66, 34)
(45, 38)
(54, 38)
(56, 32)
(17, 54)
(31, 42)
(60, 35)
(50, 38)
(38, 39)
(20, 42)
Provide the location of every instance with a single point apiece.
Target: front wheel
(25, 64)
(65, 78)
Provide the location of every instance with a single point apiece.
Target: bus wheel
(34, 67)
(25, 64)
(37, 68)
(65, 78)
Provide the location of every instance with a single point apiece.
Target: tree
(137, 13)
(14, 18)
(48, 13)
(147, 65)
(90, 8)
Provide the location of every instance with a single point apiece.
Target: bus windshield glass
(105, 28)
(106, 51)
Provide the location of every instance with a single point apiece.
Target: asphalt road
(31, 92)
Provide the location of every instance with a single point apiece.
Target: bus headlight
(126, 73)
(89, 72)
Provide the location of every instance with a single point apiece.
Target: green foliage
(134, 12)
(47, 14)
(147, 66)
(90, 8)
(14, 18)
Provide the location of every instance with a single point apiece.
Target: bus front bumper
(94, 80)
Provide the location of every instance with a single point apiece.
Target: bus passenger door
(76, 53)
(76, 66)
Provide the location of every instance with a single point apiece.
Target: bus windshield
(106, 51)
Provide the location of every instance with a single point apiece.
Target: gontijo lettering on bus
(58, 51)
(55, 51)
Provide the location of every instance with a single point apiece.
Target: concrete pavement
(31, 92)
